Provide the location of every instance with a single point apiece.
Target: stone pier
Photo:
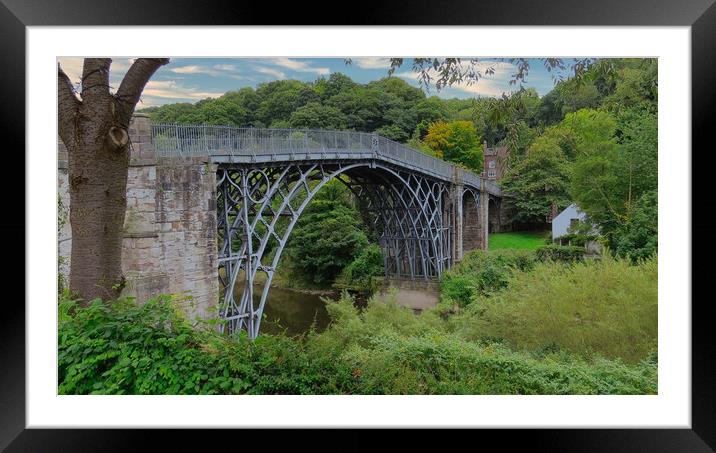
(470, 221)
(170, 233)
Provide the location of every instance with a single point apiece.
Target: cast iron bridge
(267, 177)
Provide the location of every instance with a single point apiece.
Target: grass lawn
(516, 240)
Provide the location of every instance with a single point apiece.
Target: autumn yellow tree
(457, 142)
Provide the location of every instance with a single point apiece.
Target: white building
(564, 220)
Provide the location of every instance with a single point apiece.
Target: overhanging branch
(133, 84)
(67, 107)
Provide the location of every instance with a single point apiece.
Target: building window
(573, 223)
(491, 173)
(491, 164)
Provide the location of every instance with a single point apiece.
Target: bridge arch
(258, 207)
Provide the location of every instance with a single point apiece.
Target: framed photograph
(442, 219)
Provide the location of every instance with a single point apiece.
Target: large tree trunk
(94, 131)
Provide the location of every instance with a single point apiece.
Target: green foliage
(391, 351)
(359, 274)
(637, 86)
(559, 319)
(638, 238)
(389, 106)
(606, 307)
(482, 273)
(122, 347)
(327, 237)
(537, 183)
(607, 179)
(560, 253)
(62, 271)
(588, 131)
(580, 233)
(456, 142)
(317, 116)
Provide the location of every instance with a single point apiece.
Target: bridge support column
(484, 217)
(457, 237)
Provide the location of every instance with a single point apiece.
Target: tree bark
(95, 132)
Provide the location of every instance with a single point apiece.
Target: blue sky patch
(193, 79)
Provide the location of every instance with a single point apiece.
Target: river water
(291, 311)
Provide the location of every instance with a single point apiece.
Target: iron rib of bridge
(267, 177)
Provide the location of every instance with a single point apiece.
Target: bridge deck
(227, 144)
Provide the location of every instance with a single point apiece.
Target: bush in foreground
(483, 273)
(560, 253)
(120, 347)
(606, 307)
(394, 352)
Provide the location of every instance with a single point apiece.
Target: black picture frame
(700, 15)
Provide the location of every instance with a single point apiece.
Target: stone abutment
(170, 234)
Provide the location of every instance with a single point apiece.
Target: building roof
(571, 208)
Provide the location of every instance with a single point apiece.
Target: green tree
(328, 236)
(635, 85)
(638, 239)
(336, 83)
(456, 142)
(227, 109)
(568, 96)
(362, 107)
(537, 183)
(279, 100)
(317, 116)
(607, 179)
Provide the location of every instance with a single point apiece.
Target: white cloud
(268, 71)
(169, 89)
(372, 62)
(219, 70)
(194, 69)
(299, 66)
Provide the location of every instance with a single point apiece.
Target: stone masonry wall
(472, 227)
(170, 238)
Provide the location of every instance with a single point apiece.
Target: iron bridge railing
(180, 140)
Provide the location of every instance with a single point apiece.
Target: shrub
(560, 253)
(482, 273)
(358, 275)
(121, 347)
(392, 351)
(606, 307)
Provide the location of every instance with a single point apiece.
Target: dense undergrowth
(546, 328)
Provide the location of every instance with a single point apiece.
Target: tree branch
(133, 84)
(67, 107)
(95, 78)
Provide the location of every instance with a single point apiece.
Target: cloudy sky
(193, 79)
